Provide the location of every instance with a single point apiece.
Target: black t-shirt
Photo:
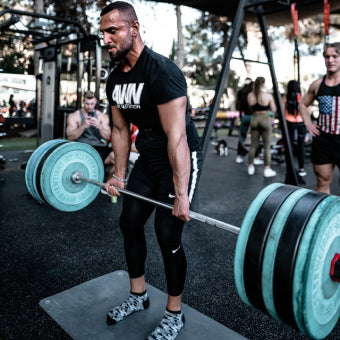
(152, 81)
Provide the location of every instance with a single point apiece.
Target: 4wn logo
(127, 96)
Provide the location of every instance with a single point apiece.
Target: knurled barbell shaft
(77, 177)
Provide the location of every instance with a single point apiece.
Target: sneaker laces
(169, 327)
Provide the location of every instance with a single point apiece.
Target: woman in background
(262, 104)
(296, 127)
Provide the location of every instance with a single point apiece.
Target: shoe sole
(267, 176)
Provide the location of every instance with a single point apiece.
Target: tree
(311, 33)
(76, 10)
(206, 42)
(180, 40)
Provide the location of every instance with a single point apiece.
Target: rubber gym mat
(81, 311)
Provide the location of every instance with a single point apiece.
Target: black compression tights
(168, 228)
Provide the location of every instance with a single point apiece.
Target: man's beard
(123, 51)
(119, 55)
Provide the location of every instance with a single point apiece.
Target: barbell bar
(77, 177)
(287, 255)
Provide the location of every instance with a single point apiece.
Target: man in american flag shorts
(326, 129)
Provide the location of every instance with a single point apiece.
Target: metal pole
(238, 20)
(98, 60)
(80, 74)
(77, 177)
(291, 177)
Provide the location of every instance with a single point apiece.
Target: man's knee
(324, 175)
(324, 172)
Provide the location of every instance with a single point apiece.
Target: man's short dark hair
(121, 6)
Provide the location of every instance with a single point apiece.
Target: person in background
(326, 131)
(22, 109)
(167, 169)
(261, 104)
(246, 114)
(90, 126)
(296, 127)
(12, 105)
(3, 107)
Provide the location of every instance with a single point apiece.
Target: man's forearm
(179, 156)
(121, 147)
(75, 133)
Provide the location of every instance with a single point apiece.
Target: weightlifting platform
(81, 311)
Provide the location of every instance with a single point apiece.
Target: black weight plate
(243, 236)
(257, 243)
(286, 254)
(271, 249)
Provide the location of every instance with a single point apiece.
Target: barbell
(287, 257)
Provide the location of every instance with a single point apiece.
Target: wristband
(119, 179)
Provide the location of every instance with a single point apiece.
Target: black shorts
(326, 149)
(159, 177)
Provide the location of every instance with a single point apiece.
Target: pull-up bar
(43, 16)
(251, 60)
(7, 23)
(281, 5)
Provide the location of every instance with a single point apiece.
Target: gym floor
(45, 251)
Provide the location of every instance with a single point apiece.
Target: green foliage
(206, 40)
(75, 10)
(12, 3)
(311, 35)
(13, 63)
(172, 55)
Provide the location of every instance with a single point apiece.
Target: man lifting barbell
(300, 288)
(149, 91)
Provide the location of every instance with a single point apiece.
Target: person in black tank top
(92, 127)
(326, 130)
(148, 90)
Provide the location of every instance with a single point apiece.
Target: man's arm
(305, 107)
(74, 129)
(121, 142)
(172, 117)
(104, 126)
